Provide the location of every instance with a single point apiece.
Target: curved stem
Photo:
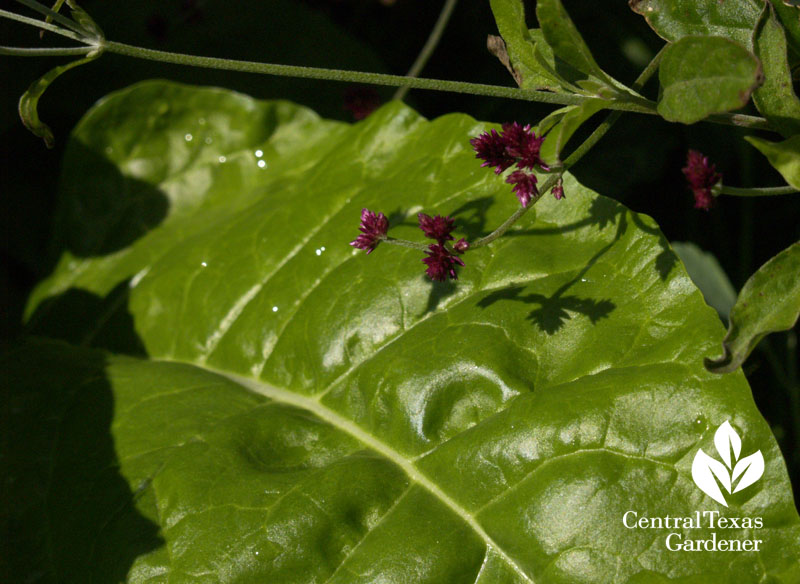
(429, 47)
(46, 51)
(758, 192)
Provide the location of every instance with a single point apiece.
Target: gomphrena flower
(441, 263)
(524, 146)
(524, 186)
(373, 229)
(491, 148)
(516, 144)
(437, 228)
(702, 176)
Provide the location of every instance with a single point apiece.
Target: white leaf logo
(736, 474)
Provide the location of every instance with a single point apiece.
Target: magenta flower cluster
(373, 229)
(518, 145)
(441, 261)
(702, 176)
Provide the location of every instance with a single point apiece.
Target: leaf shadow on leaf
(556, 309)
(85, 319)
(439, 291)
(107, 213)
(81, 523)
(471, 217)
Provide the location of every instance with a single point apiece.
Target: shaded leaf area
(701, 76)
(307, 413)
(73, 515)
(769, 302)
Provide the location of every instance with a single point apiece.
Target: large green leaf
(701, 76)
(776, 98)
(295, 411)
(769, 302)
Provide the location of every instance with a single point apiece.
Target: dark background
(638, 162)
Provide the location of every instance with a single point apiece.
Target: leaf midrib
(343, 424)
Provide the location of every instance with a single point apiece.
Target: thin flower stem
(429, 47)
(45, 51)
(360, 77)
(405, 243)
(574, 157)
(758, 192)
(41, 24)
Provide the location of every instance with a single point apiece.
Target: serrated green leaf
(776, 98)
(707, 274)
(701, 76)
(784, 156)
(300, 412)
(769, 302)
(29, 102)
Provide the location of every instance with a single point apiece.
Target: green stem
(55, 16)
(429, 47)
(46, 51)
(359, 77)
(43, 25)
(758, 192)
(405, 243)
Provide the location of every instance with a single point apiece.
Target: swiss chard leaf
(769, 302)
(300, 412)
(701, 76)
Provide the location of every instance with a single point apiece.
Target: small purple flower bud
(461, 245)
(524, 186)
(373, 229)
(491, 148)
(437, 228)
(441, 263)
(702, 176)
(558, 190)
